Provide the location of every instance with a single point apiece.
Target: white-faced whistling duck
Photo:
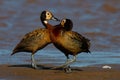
(37, 39)
(69, 42)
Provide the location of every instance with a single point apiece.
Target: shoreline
(25, 72)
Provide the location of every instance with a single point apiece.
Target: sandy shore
(25, 72)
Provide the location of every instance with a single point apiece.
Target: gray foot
(68, 69)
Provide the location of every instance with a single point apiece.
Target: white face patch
(63, 22)
(45, 22)
(48, 15)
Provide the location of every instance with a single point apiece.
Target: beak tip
(56, 19)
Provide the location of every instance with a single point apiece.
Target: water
(54, 57)
(98, 20)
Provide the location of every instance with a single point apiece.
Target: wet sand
(25, 72)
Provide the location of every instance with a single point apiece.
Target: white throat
(45, 22)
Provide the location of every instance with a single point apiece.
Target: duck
(36, 39)
(68, 42)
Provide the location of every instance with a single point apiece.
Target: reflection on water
(55, 57)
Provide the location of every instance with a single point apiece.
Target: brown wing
(33, 41)
(72, 42)
(79, 41)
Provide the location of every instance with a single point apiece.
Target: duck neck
(46, 24)
(42, 20)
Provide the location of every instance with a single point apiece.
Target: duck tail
(14, 51)
(88, 51)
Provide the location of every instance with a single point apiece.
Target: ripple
(97, 19)
(57, 58)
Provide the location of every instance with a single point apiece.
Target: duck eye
(48, 14)
(63, 21)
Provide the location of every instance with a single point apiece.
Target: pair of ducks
(67, 41)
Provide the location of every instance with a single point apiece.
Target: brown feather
(33, 41)
(69, 42)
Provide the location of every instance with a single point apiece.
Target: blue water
(98, 20)
(55, 57)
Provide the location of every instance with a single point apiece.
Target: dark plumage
(69, 42)
(37, 39)
(33, 41)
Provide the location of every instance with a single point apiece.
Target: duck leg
(62, 65)
(67, 69)
(69, 61)
(33, 62)
(66, 66)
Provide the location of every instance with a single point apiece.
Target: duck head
(67, 24)
(47, 15)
